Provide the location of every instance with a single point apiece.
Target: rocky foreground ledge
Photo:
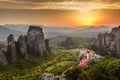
(50, 76)
(85, 58)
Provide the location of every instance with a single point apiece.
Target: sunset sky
(70, 13)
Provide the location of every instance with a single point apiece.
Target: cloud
(82, 5)
(105, 1)
(53, 17)
(54, 0)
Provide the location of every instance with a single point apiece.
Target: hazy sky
(60, 12)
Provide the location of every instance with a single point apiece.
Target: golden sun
(87, 19)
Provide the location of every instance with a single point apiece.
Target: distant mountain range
(76, 32)
(50, 31)
(18, 27)
(4, 33)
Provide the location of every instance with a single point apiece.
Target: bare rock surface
(109, 41)
(36, 40)
(11, 48)
(50, 76)
(21, 45)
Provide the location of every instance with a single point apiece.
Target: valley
(36, 58)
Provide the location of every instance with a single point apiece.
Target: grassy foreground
(103, 70)
(32, 68)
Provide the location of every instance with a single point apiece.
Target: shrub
(73, 73)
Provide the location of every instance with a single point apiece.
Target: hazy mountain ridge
(77, 32)
(51, 31)
(92, 31)
(4, 32)
(19, 27)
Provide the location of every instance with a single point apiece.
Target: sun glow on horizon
(87, 19)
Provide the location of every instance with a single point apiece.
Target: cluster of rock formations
(34, 41)
(108, 41)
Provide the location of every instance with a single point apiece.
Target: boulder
(46, 76)
(36, 40)
(50, 76)
(11, 48)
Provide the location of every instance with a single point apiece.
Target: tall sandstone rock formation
(36, 41)
(11, 48)
(109, 41)
(21, 45)
(100, 41)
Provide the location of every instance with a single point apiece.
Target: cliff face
(36, 40)
(109, 41)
